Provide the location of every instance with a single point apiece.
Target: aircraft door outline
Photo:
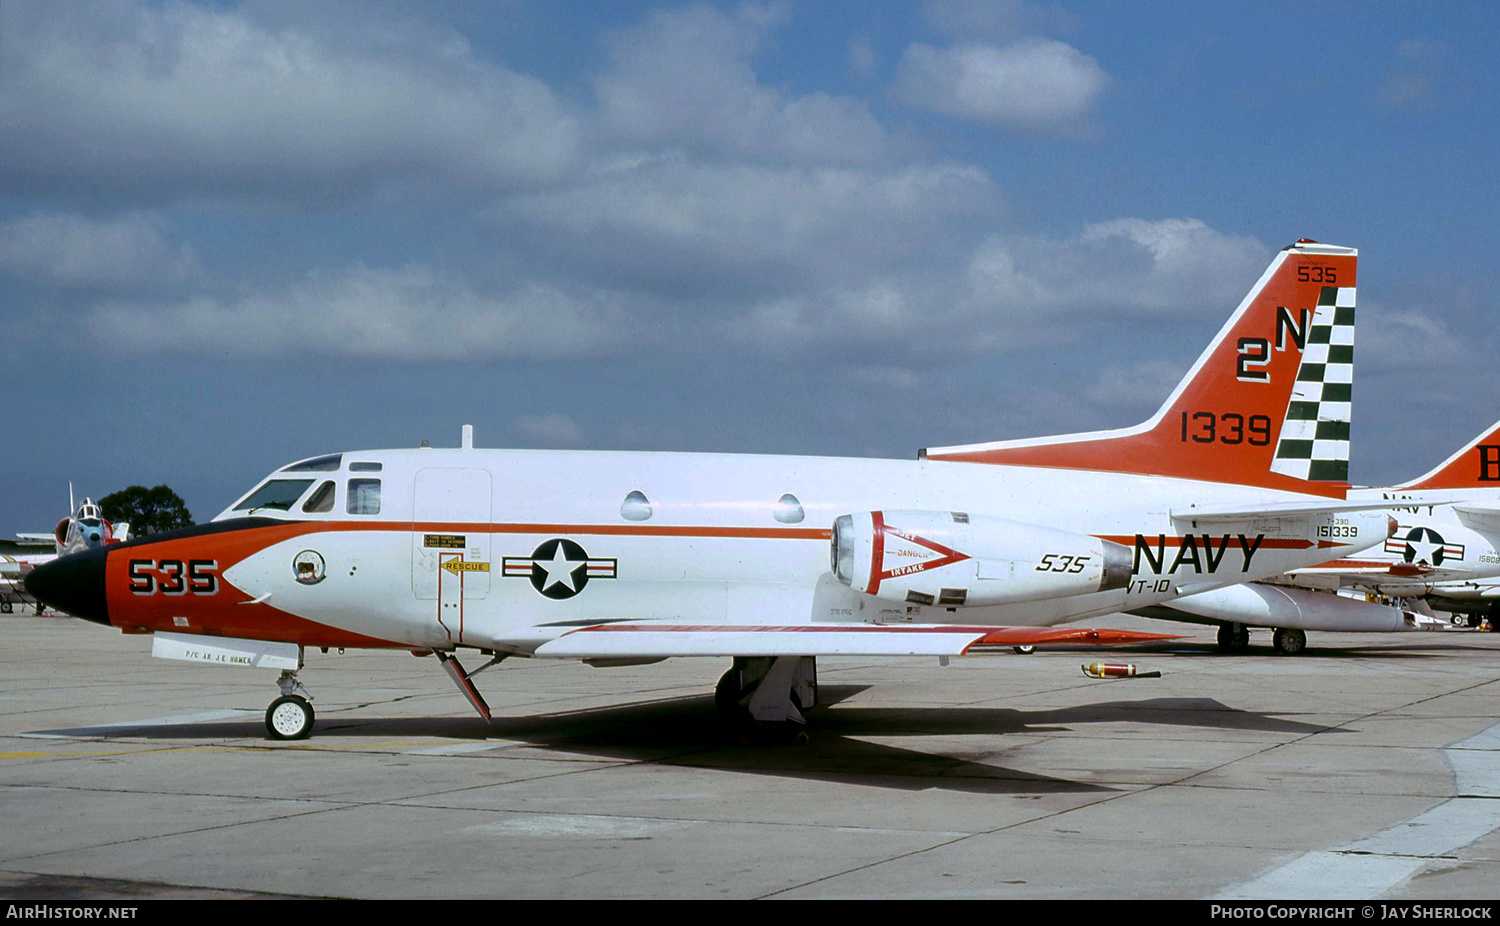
(451, 541)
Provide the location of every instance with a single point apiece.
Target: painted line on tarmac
(457, 749)
(1371, 866)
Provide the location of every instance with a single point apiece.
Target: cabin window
(636, 507)
(788, 510)
(321, 501)
(364, 496)
(276, 495)
(326, 464)
(364, 467)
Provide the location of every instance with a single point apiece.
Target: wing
(646, 639)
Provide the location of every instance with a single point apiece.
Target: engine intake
(952, 559)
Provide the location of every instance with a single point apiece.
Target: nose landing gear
(290, 717)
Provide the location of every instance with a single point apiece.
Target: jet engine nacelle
(952, 559)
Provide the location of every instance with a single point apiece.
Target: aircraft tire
(727, 696)
(5, 608)
(1233, 637)
(1289, 641)
(290, 717)
(1025, 649)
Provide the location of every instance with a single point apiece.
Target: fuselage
(504, 550)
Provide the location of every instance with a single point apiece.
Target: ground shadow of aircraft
(687, 732)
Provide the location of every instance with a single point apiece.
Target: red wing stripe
(1008, 636)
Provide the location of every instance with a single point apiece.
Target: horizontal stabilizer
(652, 639)
(1211, 514)
(1481, 519)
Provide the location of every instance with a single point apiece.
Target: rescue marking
(456, 566)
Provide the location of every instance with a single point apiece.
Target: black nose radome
(73, 584)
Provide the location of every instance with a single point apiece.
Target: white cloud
(144, 100)
(683, 78)
(664, 222)
(409, 314)
(126, 250)
(1388, 340)
(1018, 292)
(1119, 268)
(1031, 84)
(1414, 76)
(549, 430)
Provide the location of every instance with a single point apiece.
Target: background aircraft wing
(647, 639)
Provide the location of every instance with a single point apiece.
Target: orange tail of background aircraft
(1477, 465)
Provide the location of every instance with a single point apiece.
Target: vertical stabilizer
(1267, 404)
(1477, 465)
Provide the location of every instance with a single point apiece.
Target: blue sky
(236, 234)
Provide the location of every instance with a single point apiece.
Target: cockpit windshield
(326, 464)
(276, 495)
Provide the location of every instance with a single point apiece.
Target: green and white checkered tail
(1314, 441)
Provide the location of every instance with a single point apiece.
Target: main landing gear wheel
(1233, 637)
(727, 696)
(290, 717)
(1289, 641)
(761, 699)
(5, 608)
(1025, 649)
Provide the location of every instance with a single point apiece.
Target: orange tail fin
(1267, 404)
(1475, 466)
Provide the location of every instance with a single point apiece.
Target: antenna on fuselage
(467, 441)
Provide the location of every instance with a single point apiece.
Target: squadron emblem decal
(308, 567)
(559, 568)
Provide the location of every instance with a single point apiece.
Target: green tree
(146, 510)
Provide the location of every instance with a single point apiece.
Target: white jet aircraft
(627, 558)
(1445, 554)
(85, 529)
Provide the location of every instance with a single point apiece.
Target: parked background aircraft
(1448, 554)
(20, 556)
(617, 558)
(1444, 553)
(85, 529)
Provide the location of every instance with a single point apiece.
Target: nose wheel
(290, 717)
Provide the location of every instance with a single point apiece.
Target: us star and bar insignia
(559, 568)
